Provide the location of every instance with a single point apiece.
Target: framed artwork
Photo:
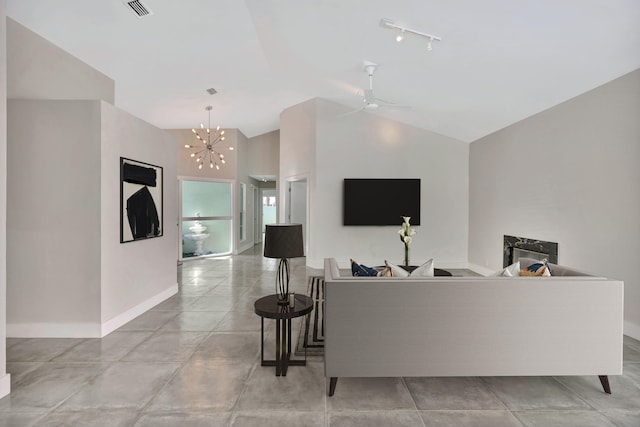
(140, 200)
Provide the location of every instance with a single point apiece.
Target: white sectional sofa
(567, 324)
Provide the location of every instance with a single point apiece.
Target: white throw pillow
(397, 271)
(425, 270)
(509, 271)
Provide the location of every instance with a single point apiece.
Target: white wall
(38, 69)
(570, 175)
(242, 176)
(297, 152)
(5, 382)
(136, 275)
(264, 154)
(63, 220)
(330, 148)
(53, 218)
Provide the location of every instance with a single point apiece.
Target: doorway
(268, 208)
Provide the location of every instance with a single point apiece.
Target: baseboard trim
(632, 330)
(119, 320)
(53, 330)
(86, 330)
(5, 385)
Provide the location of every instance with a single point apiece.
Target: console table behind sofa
(472, 326)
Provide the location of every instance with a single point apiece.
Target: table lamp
(283, 241)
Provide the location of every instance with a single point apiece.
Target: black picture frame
(141, 200)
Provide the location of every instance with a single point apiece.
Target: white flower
(412, 232)
(407, 240)
(406, 219)
(401, 231)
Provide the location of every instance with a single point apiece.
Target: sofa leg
(332, 385)
(604, 380)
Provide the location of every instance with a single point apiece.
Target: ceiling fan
(371, 102)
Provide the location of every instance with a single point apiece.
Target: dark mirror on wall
(140, 200)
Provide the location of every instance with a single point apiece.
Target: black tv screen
(381, 201)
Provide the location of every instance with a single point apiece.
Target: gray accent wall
(569, 174)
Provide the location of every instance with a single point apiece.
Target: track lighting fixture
(387, 23)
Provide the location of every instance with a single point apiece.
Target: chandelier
(209, 140)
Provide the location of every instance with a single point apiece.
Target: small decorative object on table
(406, 234)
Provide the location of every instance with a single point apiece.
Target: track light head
(402, 31)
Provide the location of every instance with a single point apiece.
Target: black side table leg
(262, 341)
(284, 357)
(278, 372)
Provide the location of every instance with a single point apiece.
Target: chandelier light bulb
(429, 47)
(231, 148)
(223, 161)
(400, 36)
(217, 167)
(193, 154)
(200, 166)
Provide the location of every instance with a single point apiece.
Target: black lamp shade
(283, 241)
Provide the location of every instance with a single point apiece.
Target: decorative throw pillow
(385, 272)
(537, 269)
(362, 270)
(425, 270)
(396, 271)
(509, 271)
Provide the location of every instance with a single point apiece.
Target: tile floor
(194, 361)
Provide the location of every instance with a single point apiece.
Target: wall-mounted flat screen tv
(381, 201)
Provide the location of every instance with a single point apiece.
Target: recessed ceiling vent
(136, 6)
(212, 91)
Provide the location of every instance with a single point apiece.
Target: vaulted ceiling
(499, 61)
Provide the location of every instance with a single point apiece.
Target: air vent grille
(139, 8)
(212, 91)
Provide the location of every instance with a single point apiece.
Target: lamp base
(282, 282)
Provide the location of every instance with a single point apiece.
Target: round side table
(268, 307)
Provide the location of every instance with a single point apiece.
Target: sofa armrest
(331, 270)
